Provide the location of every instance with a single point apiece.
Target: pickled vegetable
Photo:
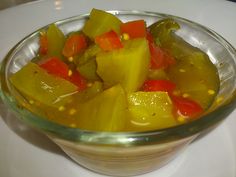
(129, 65)
(107, 111)
(157, 74)
(56, 40)
(201, 76)
(74, 44)
(86, 63)
(67, 114)
(150, 110)
(158, 85)
(89, 70)
(55, 66)
(135, 29)
(43, 43)
(37, 84)
(101, 22)
(162, 31)
(89, 53)
(90, 92)
(109, 41)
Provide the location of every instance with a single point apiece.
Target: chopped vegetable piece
(58, 68)
(56, 40)
(55, 66)
(162, 31)
(150, 111)
(74, 44)
(78, 80)
(159, 57)
(194, 74)
(37, 84)
(186, 106)
(43, 44)
(158, 85)
(149, 37)
(89, 70)
(135, 29)
(89, 93)
(157, 74)
(107, 111)
(89, 53)
(101, 22)
(109, 41)
(86, 64)
(67, 114)
(127, 66)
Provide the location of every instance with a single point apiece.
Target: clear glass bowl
(128, 153)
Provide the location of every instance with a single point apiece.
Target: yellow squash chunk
(150, 111)
(127, 66)
(68, 114)
(90, 92)
(105, 112)
(56, 40)
(100, 22)
(38, 85)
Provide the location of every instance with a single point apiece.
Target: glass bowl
(128, 153)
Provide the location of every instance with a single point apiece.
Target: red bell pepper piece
(55, 66)
(43, 44)
(186, 106)
(135, 29)
(159, 57)
(78, 80)
(149, 37)
(58, 68)
(109, 41)
(158, 85)
(74, 45)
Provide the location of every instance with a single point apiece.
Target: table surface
(6, 3)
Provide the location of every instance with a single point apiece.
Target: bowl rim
(118, 138)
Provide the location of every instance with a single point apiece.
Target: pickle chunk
(56, 40)
(196, 77)
(36, 84)
(127, 66)
(150, 111)
(100, 22)
(105, 112)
